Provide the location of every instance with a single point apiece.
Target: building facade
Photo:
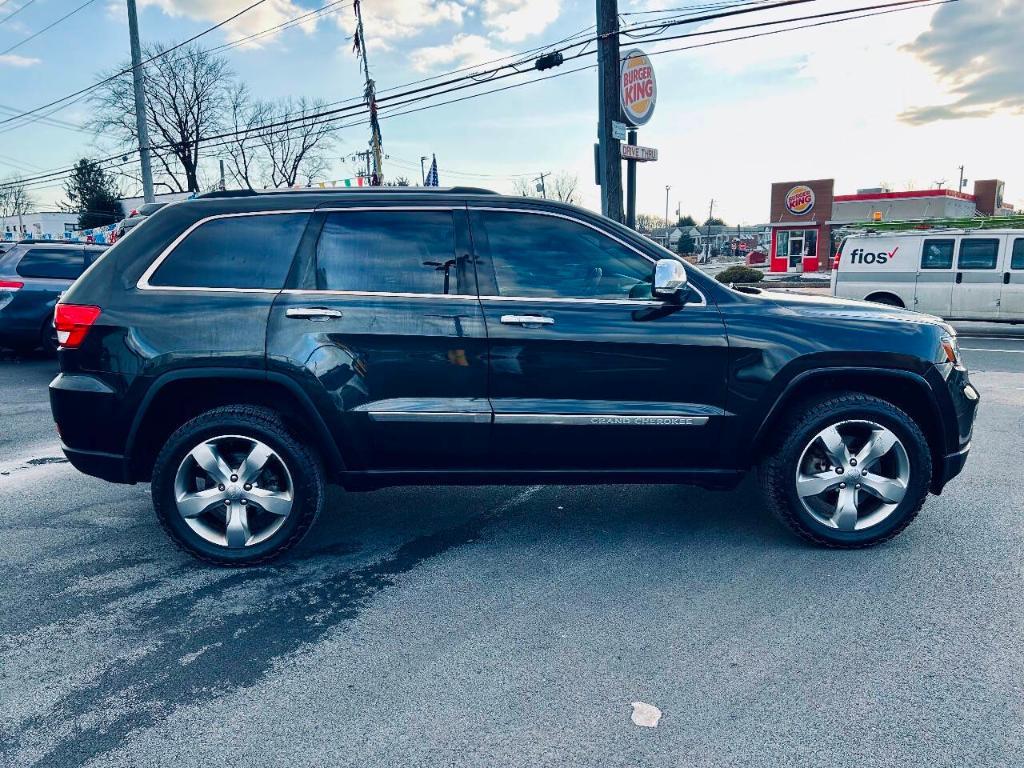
(43, 225)
(804, 215)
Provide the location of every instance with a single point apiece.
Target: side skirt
(715, 479)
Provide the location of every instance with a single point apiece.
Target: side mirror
(669, 278)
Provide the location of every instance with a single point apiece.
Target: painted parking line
(986, 349)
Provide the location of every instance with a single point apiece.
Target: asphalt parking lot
(514, 626)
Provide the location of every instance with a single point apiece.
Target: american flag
(432, 175)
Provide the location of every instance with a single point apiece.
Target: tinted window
(978, 253)
(391, 251)
(236, 252)
(937, 254)
(1017, 257)
(546, 256)
(59, 263)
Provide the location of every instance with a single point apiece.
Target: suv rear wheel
(234, 487)
(849, 471)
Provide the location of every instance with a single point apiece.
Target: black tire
(799, 428)
(48, 339)
(301, 462)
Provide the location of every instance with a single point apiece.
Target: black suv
(240, 351)
(33, 273)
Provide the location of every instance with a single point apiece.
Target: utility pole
(540, 185)
(609, 109)
(423, 170)
(223, 182)
(370, 92)
(960, 186)
(667, 188)
(707, 233)
(631, 185)
(140, 102)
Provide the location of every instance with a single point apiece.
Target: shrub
(740, 274)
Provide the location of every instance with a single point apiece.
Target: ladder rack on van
(976, 222)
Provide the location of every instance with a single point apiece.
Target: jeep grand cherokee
(239, 351)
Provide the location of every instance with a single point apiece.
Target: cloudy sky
(901, 99)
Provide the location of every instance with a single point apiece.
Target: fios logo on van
(860, 256)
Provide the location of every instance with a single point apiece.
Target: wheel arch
(906, 390)
(178, 396)
(879, 297)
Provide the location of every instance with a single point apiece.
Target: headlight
(951, 351)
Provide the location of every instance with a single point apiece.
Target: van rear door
(978, 280)
(934, 288)
(1011, 298)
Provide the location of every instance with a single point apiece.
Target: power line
(332, 115)
(48, 27)
(16, 11)
(116, 75)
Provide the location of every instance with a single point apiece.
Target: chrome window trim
(379, 294)
(143, 283)
(504, 209)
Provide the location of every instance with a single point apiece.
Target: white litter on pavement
(645, 715)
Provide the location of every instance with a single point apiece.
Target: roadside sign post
(638, 93)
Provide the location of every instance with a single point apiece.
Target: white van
(956, 274)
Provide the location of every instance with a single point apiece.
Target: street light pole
(423, 171)
(140, 102)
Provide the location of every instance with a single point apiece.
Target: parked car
(239, 352)
(135, 217)
(33, 273)
(954, 273)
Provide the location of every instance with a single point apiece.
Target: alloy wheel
(233, 491)
(852, 475)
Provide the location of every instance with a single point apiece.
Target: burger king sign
(638, 90)
(800, 200)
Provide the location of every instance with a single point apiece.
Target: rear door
(587, 370)
(383, 326)
(1011, 301)
(978, 280)
(934, 289)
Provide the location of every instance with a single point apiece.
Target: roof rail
(44, 241)
(975, 222)
(337, 190)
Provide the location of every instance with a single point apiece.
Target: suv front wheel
(848, 471)
(234, 487)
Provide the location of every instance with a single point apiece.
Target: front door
(384, 328)
(1011, 298)
(978, 281)
(587, 370)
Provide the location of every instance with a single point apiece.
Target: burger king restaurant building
(805, 213)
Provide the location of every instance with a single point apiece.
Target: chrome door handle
(312, 313)
(527, 320)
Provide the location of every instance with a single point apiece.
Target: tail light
(73, 322)
(839, 255)
(7, 290)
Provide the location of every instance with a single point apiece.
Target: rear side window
(391, 252)
(56, 263)
(1017, 257)
(234, 252)
(978, 253)
(937, 254)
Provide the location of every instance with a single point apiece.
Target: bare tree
(187, 94)
(300, 148)
(562, 186)
(244, 149)
(15, 199)
(565, 188)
